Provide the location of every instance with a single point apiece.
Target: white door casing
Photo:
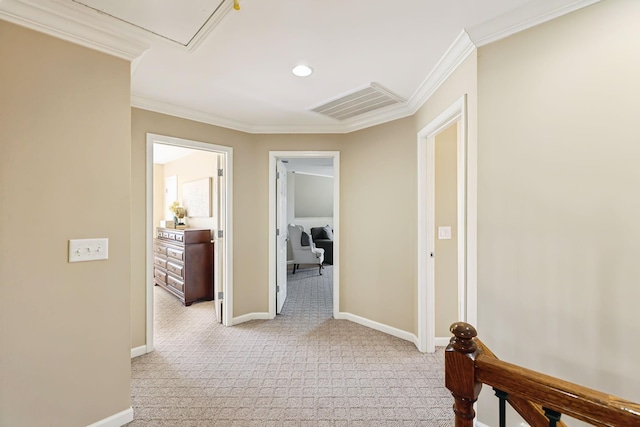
(220, 211)
(281, 235)
(273, 157)
(225, 245)
(467, 292)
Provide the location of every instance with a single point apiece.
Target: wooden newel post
(459, 360)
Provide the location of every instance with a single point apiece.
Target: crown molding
(450, 61)
(454, 56)
(531, 14)
(298, 129)
(363, 121)
(211, 119)
(68, 23)
(459, 50)
(188, 113)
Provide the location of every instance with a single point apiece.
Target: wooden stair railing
(538, 398)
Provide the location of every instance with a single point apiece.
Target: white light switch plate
(88, 249)
(444, 233)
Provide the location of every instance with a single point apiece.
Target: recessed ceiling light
(302, 70)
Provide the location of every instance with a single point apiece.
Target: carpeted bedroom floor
(302, 369)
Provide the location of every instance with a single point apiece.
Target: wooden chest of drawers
(183, 263)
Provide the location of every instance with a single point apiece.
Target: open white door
(218, 252)
(281, 235)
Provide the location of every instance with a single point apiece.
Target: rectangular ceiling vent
(361, 101)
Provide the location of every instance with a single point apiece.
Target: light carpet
(303, 368)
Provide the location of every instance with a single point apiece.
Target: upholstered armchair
(304, 250)
(323, 238)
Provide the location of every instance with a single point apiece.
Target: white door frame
(282, 237)
(273, 157)
(227, 240)
(467, 285)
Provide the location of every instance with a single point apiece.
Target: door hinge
(277, 288)
(277, 231)
(220, 172)
(277, 175)
(220, 233)
(220, 295)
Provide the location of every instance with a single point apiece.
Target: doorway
(277, 288)
(449, 239)
(220, 173)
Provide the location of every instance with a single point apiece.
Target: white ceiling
(233, 67)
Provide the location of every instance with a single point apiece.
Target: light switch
(88, 249)
(444, 233)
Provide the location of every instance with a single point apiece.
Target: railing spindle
(553, 416)
(502, 402)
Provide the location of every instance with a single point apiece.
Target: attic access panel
(177, 21)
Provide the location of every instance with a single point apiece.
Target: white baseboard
(138, 351)
(416, 342)
(117, 420)
(441, 341)
(248, 317)
(407, 336)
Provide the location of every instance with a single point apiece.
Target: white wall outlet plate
(88, 249)
(444, 233)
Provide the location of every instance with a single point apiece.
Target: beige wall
(250, 203)
(463, 82)
(371, 268)
(559, 235)
(143, 121)
(198, 165)
(378, 219)
(65, 174)
(446, 215)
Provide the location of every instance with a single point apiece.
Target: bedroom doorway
(218, 169)
(312, 165)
